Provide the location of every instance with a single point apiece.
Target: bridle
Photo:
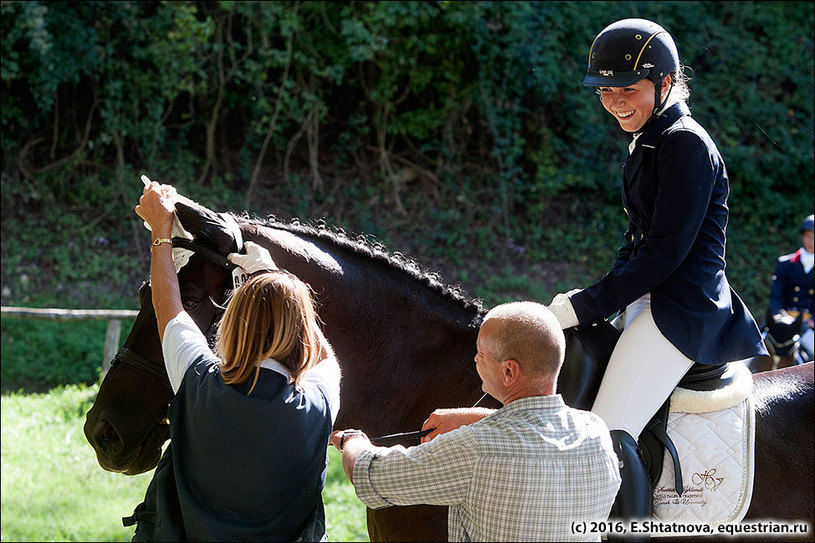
(136, 361)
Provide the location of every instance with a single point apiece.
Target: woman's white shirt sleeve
(326, 375)
(183, 344)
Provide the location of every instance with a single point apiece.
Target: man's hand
(256, 259)
(442, 421)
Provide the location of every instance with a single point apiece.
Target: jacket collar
(654, 129)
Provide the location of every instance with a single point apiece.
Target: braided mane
(363, 245)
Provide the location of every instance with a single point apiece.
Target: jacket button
(796, 289)
(795, 298)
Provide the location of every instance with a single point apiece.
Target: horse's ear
(206, 226)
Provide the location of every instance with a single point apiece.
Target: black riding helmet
(628, 51)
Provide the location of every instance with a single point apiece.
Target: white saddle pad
(714, 435)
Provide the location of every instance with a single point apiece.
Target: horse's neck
(324, 261)
(405, 345)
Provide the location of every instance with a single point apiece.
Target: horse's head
(783, 335)
(127, 424)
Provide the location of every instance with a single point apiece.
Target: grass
(52, 487)
(54, 490)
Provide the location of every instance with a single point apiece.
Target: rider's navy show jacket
(792, 287)
(675, 190)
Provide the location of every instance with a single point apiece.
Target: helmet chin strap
(658, 95)
(657, 100)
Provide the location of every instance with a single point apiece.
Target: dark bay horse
(782, 339)
(406, 343)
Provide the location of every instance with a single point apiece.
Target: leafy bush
(39, 355)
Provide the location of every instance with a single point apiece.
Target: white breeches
(643, 371)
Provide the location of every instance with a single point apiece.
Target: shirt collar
(807, 260)
(274, 365)
(553, 401)
(656, 126)
(633, 143)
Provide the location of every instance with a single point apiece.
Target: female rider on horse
(669, 276)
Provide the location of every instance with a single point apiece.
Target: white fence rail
(113, 316)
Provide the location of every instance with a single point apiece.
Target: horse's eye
(189, 303)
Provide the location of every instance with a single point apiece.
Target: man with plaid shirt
(533, 470)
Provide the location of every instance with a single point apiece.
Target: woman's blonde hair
(271, 316)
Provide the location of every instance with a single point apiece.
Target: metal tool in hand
(395, 439)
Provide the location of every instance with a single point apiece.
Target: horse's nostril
(107, 438)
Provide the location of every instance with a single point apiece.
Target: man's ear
(510, 371)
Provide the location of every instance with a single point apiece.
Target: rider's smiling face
(632, 105)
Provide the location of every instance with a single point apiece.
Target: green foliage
(427, 76)
(458, 130)
(63, 353)
(38, 355)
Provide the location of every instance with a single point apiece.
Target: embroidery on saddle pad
(714, 435)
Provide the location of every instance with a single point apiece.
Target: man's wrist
(348, 435)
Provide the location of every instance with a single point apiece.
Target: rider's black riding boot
(633, 502)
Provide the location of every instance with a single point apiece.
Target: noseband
(129, 358)
(140, 363)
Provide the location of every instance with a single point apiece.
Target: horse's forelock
(207, 227)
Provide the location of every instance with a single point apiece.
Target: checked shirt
(524, 473)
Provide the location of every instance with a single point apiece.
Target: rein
(395, 439)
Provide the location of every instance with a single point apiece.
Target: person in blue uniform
(250, 422)
(669, 276)
(792, 288)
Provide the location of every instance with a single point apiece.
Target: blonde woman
(250, 423)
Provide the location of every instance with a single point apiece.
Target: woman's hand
(157, 208)
(256, 259)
